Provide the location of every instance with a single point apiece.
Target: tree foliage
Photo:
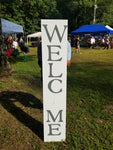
(78, 12)
(29, 13)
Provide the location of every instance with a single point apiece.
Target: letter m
(60, 37)
(54, 118)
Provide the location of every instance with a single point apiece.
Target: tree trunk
(4, 64)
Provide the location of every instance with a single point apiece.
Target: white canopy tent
(109, 27)
(37, 34)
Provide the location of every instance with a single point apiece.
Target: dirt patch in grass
(109, 109)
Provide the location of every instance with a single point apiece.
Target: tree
(4, 64)
(29, 13)
(77, 12)
(105, 12)
(3, 55)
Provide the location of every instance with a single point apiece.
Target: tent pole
(27, 40)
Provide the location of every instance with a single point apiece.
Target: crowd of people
(11, 46)
(104, 42)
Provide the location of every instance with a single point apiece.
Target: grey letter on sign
(55, 129)
(54, 118)
(50, 52)
(51, 75)
(50, 86)
(57, 31)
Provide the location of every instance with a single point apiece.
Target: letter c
(50, 86)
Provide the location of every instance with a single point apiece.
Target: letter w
(57, 31)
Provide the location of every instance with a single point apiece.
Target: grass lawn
(89, 104)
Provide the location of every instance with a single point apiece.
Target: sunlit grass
(89, 103)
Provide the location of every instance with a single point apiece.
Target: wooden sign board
(54, 56)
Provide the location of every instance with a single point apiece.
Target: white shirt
(68, 51)
(103, 40)
(92, 40)
(15, 44)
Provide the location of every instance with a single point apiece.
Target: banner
(54, 59)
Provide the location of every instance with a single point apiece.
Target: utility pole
(95, 7)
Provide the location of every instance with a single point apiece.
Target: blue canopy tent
(10, 27)
(93, 29)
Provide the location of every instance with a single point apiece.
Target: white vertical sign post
(54, 56)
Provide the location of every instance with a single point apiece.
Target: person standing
(39, 53)
(77, 45)
(103, 42)
(68, 54)
(92, 42)
(21, 40)
(107, 43)
(9, 42)
(15, 46)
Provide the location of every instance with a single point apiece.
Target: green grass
(89, 104)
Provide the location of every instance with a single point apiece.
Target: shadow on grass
(7, 100)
